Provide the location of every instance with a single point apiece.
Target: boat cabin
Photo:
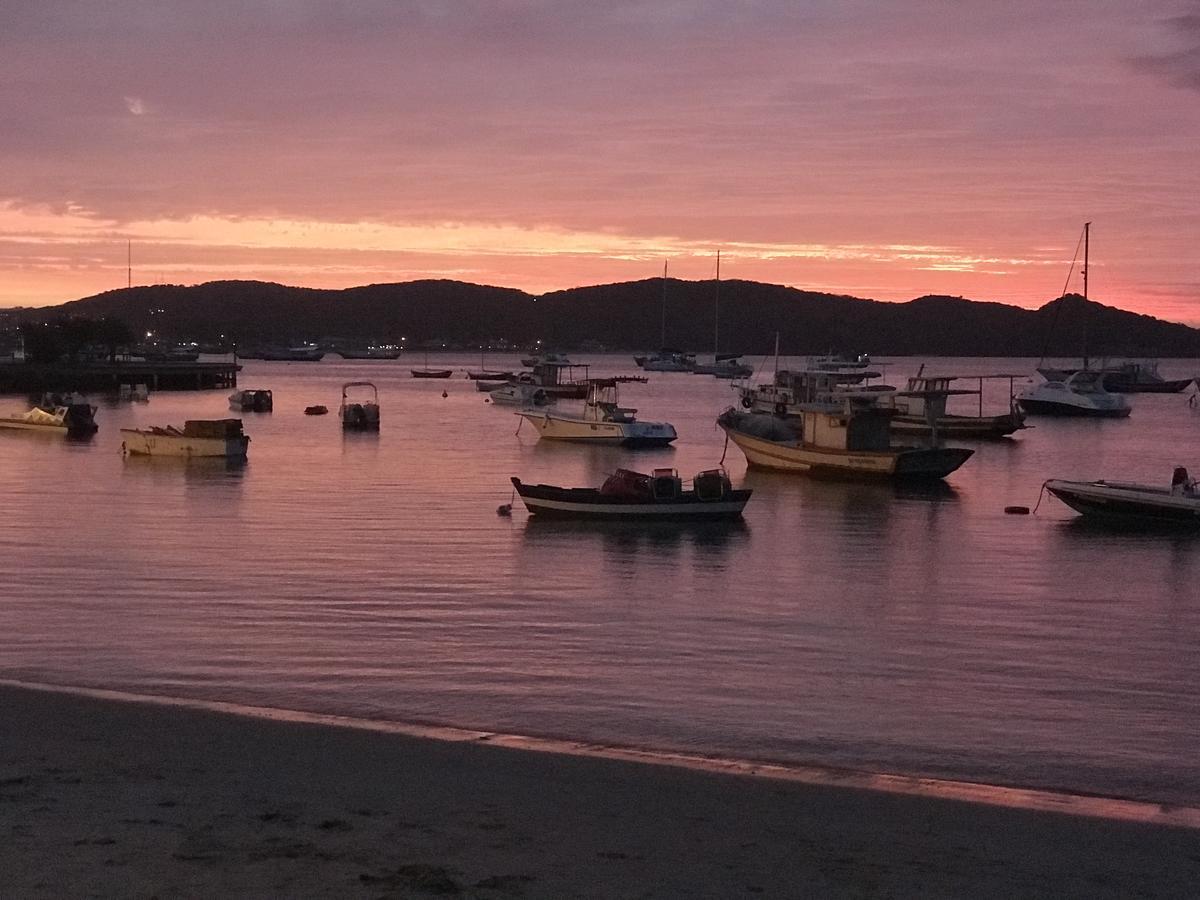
(855, 422)
(603, 405)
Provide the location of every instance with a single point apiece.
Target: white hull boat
(360, 414)
(222, 438)
(602, 421)
(251, 400)
(518, 394)
(75, 419)
(1081, 394)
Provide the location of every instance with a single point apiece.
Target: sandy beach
(107, 798)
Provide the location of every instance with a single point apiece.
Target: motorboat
(1127, 378)
(198, 438)
(251, 400)
(67, 414)
(546, 359)
(632, 496)
(912, 412)
(791, 391)
(1134, 504)
(431, 373)
(668, 361)
(520, 393)
(602, 421)
(316, 410)
(848, 436)
(489, 376)
(724, 365)
(557, 380)
(1080, 394)
(359, 412)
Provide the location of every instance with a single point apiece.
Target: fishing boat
(848, 436)
(1081, 394)
(251, 400)
(1134, 504)
(632, 496)
(360, 413)
(666, 360)
(489, 376)
(912, 416)
(546, 359)
(1141, 378)
(198, 438)
(519, 393)
(560, 380)
(724, 365)
(602, 421)
(69, 415)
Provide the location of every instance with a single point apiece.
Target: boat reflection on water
(196, 469)
(634, 537)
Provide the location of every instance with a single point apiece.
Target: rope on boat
(1041, 494)
(725, 449)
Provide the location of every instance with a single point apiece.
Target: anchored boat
(847, 437)
(70, 415)
(602, 421)
(629, 495)
(361, 413)
(1080, 394)
(1123, 503)
(197, 438)
(251, 401)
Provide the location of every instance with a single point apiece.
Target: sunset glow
(882, 151)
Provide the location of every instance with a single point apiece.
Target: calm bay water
(844, 624)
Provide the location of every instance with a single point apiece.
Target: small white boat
(251, 401)
(360, 414)
(521, 393)
(1119, 502)
(74, 416)
(727, 365)
(1080, 394)
(198, 438)
(669, 361)
(602, 421)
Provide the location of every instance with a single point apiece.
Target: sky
(878, 149)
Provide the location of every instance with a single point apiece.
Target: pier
(31, 378)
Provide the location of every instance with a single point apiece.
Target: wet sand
(107, 798)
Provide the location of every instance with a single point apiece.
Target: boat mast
(129, 263)
(663, 339)
(717, 312)
(1087, 230)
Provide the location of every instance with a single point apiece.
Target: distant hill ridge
(629, 315)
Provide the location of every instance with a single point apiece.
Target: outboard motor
(80, 419)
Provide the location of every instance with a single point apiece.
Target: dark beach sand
(106, 798)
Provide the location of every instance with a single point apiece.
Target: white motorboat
(360, 412)
(251, 400)
(520, 392)
(1119, 502)
(602, 421)
(668, 361)
(70, 415)
(198, 438)
(1081, 393)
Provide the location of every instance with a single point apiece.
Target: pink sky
(884, 150)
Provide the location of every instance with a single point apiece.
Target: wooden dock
(32, 378)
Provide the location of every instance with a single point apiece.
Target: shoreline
(1008, 796)
(104, 796)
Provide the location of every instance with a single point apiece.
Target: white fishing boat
(70, 415)
(251, 400)
(198, 438)
(602, 421)
(520, 393)
(848, 436)
(1135, 504)
(1081, 394)
(360, 406)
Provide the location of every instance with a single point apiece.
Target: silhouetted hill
(631, 316)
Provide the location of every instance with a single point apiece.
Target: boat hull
(1130, 504)
(914, 462)
(962, 427)
(143, 443)
(1127, 386)
(587, 431)
(552, 502)
(431, 373)
(1069, 410)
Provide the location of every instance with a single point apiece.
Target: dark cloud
(1180, 66)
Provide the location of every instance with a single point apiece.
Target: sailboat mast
(1087, 232)
(663, 339)
(717, 312)
(129, 263)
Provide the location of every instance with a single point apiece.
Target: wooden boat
(632, 496)
(431, 373)
(251, 400)
(70, 415)
(198, 438)
(489, 376)
(361, 414)
(317, 410)
(912, 416)
(851, 438)
(1134, 504)
(602, 421)
(724, 365)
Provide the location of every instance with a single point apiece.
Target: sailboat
(726, 365)
(666, 360)
(430, 373)
(1075, 392)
